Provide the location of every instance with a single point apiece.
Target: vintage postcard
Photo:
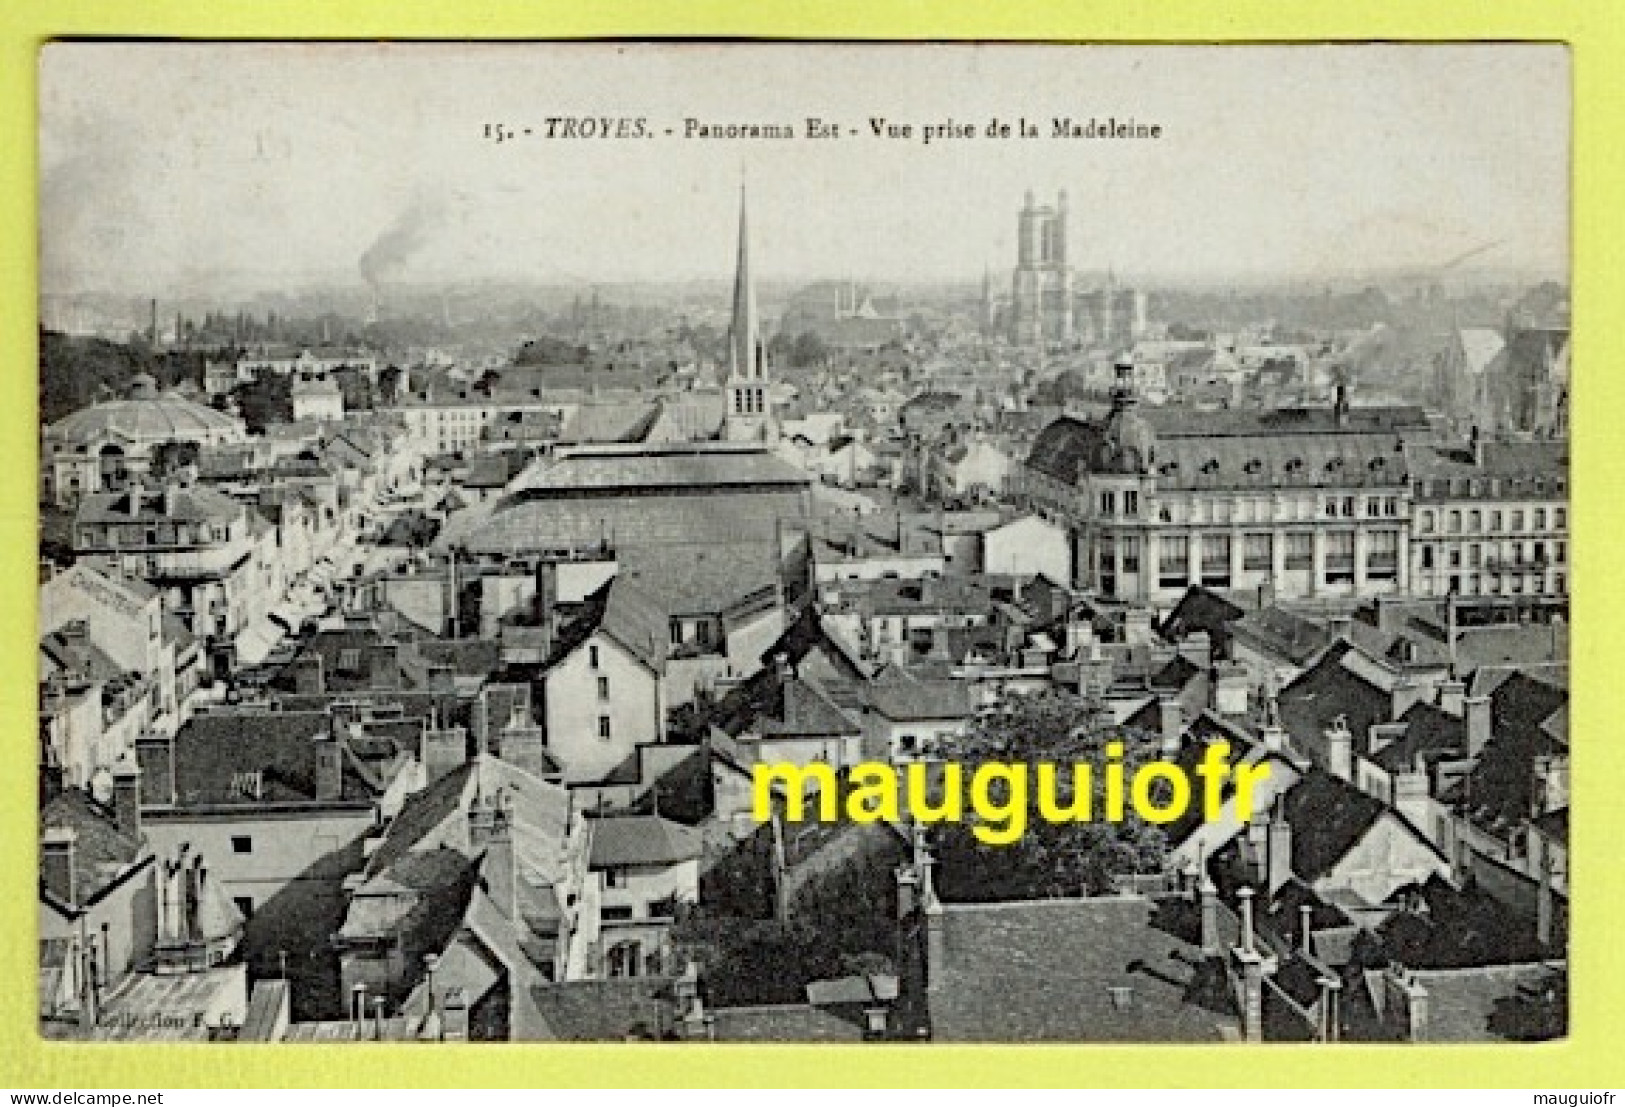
(746, 542)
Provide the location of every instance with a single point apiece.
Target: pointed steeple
(744, 360)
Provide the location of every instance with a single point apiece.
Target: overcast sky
(174, 169)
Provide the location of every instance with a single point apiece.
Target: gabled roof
(1342, 683)
(620, 841)
(1430, 734)
(102, 852)
(195, 504)
(603, 1010)
(901, 697)
(626, 614)
(1281, 633)
(1329, 817)
(1200, 610)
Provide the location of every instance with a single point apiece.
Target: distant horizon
(337, 286)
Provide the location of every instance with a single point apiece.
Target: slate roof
(197, 504)
(610, 423)
(1438, 926)
(76, 657)
(1332, 688)
(214, 749)
(1430, 733)
(901, 697)
(783, 1023)
(1463, 1003)
(1329, 816)
(1281, 633)
(654, 468)
(1286, 447)
(620, 841)
(603, 1010)
(102, 852)
(625, 613)
(1200, 609)
(1041, 972)
(423, 812)
(700, 580)
(1517, 462)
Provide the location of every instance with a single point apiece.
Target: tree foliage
(77, 371)
(547, 350)
(841, 923)
(1050, 859)
(265, 400)
(355, 386)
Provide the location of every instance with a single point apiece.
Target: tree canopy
(1050, 859)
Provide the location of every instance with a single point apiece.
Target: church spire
(744, 357)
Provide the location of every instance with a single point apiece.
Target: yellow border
(1588, 1059)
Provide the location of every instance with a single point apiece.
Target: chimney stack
(525, 747)
(1452, 694)
(1210, 916)
(1413, 797)
(936, 943)
(127, 797)
(1280, 848)
(329, 766)
(59, 847)
(1340, 749)
(1171, 724)
(443, 751)
(1476, 712)
(155, 759)
(908, 888)
(1245, 895)
(500, 869)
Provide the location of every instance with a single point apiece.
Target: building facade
(1289, 504)
(1492, 523)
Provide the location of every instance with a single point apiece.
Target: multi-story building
(1491, 522)
(192, 543)
(1293, 503)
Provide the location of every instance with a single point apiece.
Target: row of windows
(1206, 509)
(1491, 486)
(1476, 520)
(1499, 584)
(1489, 555)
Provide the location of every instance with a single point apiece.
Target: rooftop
(1078, 970)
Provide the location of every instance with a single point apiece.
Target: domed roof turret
(1129, 445)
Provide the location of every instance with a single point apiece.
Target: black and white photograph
(819, 542)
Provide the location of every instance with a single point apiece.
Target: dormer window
(1210, 466)
(1253, 466)
(1293, 464)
